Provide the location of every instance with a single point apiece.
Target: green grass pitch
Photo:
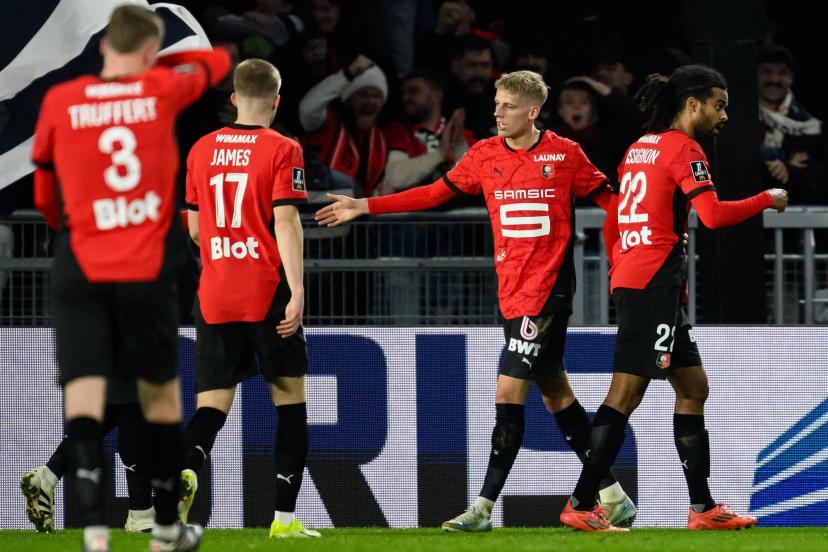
(800, 539)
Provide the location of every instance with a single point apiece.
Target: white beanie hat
(373, 76)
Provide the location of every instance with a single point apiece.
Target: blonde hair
(528, 84)
(131, 26)
(257, 79)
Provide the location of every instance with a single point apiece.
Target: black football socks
(200, 436)
(693, 446)
(605, 443)
(58, 463)
(290, 454)
(507, 437)
(131, 447)
(84, 453)
(164, 468)
(576, 428)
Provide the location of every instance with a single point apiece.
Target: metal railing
(436, 268)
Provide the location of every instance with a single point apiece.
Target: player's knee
(697, 394)
(219, 399)
(511, 390)
(288, 390)
(558, 401)
(625, 403)
(160, 402)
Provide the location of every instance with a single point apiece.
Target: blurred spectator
(599, 118)
(340, 115)
(532, 57)
(470, 84)
(426, 144)
(260, 31)
(331, 41)
(792, 141)
(402, 22)
(455, 19)
(609, 69)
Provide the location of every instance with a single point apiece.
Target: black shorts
(654, 334)
(226, 353)
(121, 331)
(534, 347)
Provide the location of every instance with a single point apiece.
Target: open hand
(342, 210)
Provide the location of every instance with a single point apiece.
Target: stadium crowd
(391, 94)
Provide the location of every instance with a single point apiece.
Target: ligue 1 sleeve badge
(298, 179)
(663, 360)
(547, 171)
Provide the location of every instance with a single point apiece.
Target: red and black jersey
(111, 146)
(235, 178)
(529, 195)
(660, 176)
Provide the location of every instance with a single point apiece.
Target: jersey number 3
(123, 157)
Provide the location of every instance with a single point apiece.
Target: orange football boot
(719, 518)
(594, 520)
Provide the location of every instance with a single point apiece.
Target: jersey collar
(530, 148)
(244, 127)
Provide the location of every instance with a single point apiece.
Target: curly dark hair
(664, 97)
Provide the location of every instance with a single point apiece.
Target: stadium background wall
(401, 421)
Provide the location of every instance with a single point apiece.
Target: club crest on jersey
(699, 171)
(298, 179)
(547, 171)
(528, 329)
(501, 256)
(663, 360)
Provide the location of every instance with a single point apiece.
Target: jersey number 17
(218, 182)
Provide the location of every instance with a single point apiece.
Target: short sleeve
(289, 187)
(692, 172)
(44, 136)
(464, 177)
(191, 191)
(586, 178)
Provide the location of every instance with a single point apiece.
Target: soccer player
(244, 183)
(104, 145)
(662, 175)
(529, 179)
(124, 412)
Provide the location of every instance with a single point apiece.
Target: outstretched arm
(718, 214)
(347, 208)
